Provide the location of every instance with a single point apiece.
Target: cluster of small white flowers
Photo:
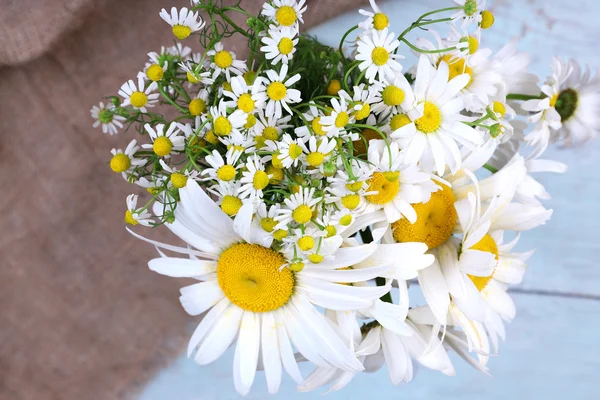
(369, 179)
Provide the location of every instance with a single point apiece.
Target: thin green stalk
(517, 96)
(490, 168)
(341, 46)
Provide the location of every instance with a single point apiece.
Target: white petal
(245, 359)
(271, 359)
(199, 297)
(221, 334)
(182, 267)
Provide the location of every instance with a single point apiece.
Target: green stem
(517, 96)
(415, 48)
(341, 46)
(170, 100)
(490, 168)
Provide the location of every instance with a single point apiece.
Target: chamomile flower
(198, 105)
(299, 208)
(280, 44)
(254, 179)
(224, 124)
(178, 178)
(184, 23)
(432, 138)
(335, 123)
(223, 170)
(278, 92)
(393, 96)
(179, 51)
(225, 61)
(125, 162)
(265, 217)
(268, 128)
(318, 150)
(360, 101)
(194, 75)
(228, 197)
(395, 186)
(278, 307)
(165, 143)
(290, 151)
(313, 117)
(376, 19)
(376, 51)
(139, 97)
(470, 12)
(286, 13)
(244, 98)
(156, 67)
(135, 216)
(105, 116)
(512, 67)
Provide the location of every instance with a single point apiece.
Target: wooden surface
(551, 350)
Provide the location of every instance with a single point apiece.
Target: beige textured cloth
(81, 317)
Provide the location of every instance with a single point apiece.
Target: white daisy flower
(313, 116)
(224, 124)
(125, 162)
(199, 103)
(254, 179)
(179, 178)
(290, 151)
(193, 74)
(286, 13)
(470, 12)
(318, 150)
(181, 52)
(165, 143)
(512, 66)
(394, 185)
(376, 19)
(184, 23)
(265, 218)
(360, 101)
(228, 198)
(277, 309)
(156, 67)
(277, 91)
(105, 116)
(335, 123)
(135, 216)
(240, 142)
(268, 128)
(280, 44)
(139, 96)
(223, 170)
(225, 61)
(299, 208)
(376, 51)
(393, 96)
(431, 139)
(247, 99)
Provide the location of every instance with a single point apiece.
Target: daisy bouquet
(310, 186)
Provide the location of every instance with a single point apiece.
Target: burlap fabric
(81, 317)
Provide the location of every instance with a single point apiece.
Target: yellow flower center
(351, 201)
(354, 186)
(457, 66)
(280, 234)
(295, 151)
(342, 119)
(392, 96)
(302, 214)
(197, 107)
(250, 77)
(398, 121)
(223, 59)
(487, 19)
(120, 163)
(155, 72)
(260, 141)
(386, 189)
(251, 277)
(245, 103)
(317, 127)
(286, 16)
(268, 224)
(487, 244)
(227, 86)
(138, 99)
(222, 126)
(334, 87)
(435, 220)
(276, 161)
(380, 56)
(285, 46)
(315, 159)
(553, 99)
(226, 173)
(260, 180)
(276, 91)
(306, 243)
(499, 108)
(363, 113)
(181, 31)
(315, 258)
(380, 21)
(178, 180)
(276, 174)
(250, 121)
(191, 78)
(331, 231)
(473, 44)
(270, 133)
(211, 137)
(129, 218)
(431, 119)
(162, 146)
(231, 205)
(297, 267)
(346, 220)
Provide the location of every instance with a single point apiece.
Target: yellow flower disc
(302, 214)
(334, 87)
(129, 218)
(487, 244)
(431, 119)
(342, 119)
(285, 46)
(138, 99)
(162, 146)
(270, 133)
(435, 220)
(315, 159)
(154, 72)
(223, 59)
(268, 224)
(315, 258)
(487, 19)
(181, 31)
(245, 103)
(317, 127)
(363, 113)
(276, 174)
(286, 16)
(276, 91)
(222, 126)
(197, 107)
(178, 180)
(380, 56)
(306, 243)
(499, 108)
(456, 66)
(351, 201)
(120, 163)
(392, 96)
(260, 180)
(280, 234)
(387, 190)
(251, 277)
(398, 121)
(231, 205)
(331, 231)
(380, 21)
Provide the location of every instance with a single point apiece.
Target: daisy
(318, 151)
(286, 13)
(165, 143)
(247, 295)
(290, 151)
(194, 75)
(178, 178)
(360, 101)
(184, 23)
(156, 68)
(225, 125)
(225, 61)
(470, 12)
(179, 51)
(254, 179)
(312, 118)
(335, 123)
(431, 139)
(106, 117)
(393, 96)
(244, 98)
(376, 51)
(375, 19)
(277, 91)
(268, 128)
(198, 104)
(280, 44)
(134, 216)
(299, 208)
(125, 162)
(139, 97)
(394, 185)
(223, 170)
